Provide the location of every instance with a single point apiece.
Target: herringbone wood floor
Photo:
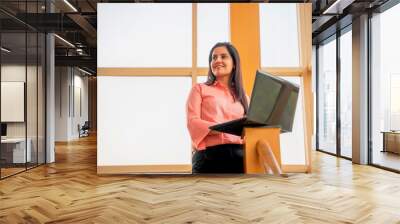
(69, 191)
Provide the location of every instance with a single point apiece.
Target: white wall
(11, 73)
(80, 103)
(61, 103)
(34, 123)
(68, 80)
(12, 101)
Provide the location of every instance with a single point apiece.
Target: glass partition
(31, 100)
(14, 153)
(22, 88)
(346, 95)
(327, 97)
(385, 89)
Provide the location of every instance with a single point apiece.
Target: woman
(221, 98)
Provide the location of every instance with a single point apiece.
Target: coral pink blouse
(207, 106)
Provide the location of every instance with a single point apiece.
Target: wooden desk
(252, 163)
(13, 150)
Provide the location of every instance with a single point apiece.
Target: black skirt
(227, 158)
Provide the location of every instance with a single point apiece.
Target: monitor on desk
(3, 130)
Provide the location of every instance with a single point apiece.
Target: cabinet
(391, 141)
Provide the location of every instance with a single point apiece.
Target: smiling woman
(221, 98)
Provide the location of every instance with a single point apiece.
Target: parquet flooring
(69, 191)
(10, 171)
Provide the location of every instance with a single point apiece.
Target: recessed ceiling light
(84, 71)
(337, 7)
(5, 50)
(70, 5)
(64, 40)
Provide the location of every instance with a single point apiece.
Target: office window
(327, 97)
(146, 35)
(385, 89)
(279, 37)
(346, 94)
(201, 79)
(155, 132)
(212, 27)
(292, 143)
(314, 89)
(394, 102)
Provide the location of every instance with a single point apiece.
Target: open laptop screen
(264, 96)
(273, 101)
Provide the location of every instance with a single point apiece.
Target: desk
(391, 141)
(252, 162)
(15, 148)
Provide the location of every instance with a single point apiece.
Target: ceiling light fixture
(70, 5)
(84, 71)
(5, 50)
(64, 40)
(337, 7)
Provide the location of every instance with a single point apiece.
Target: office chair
(84, 130)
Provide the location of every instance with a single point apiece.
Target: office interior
(29, 59)
(49, 82)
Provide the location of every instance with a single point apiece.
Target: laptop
(273, 103)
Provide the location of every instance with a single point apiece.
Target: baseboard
(145, 169)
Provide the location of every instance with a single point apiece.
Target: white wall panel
(142, 121)
(292, 143)
(279, 37)
(12, 101)
(212, 27)
(144, 35)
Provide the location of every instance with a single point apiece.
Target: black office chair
(84, 130)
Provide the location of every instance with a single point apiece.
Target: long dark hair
(235, 82)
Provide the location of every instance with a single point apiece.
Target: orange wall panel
(245, 36)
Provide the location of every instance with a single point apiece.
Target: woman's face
(221, 62)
